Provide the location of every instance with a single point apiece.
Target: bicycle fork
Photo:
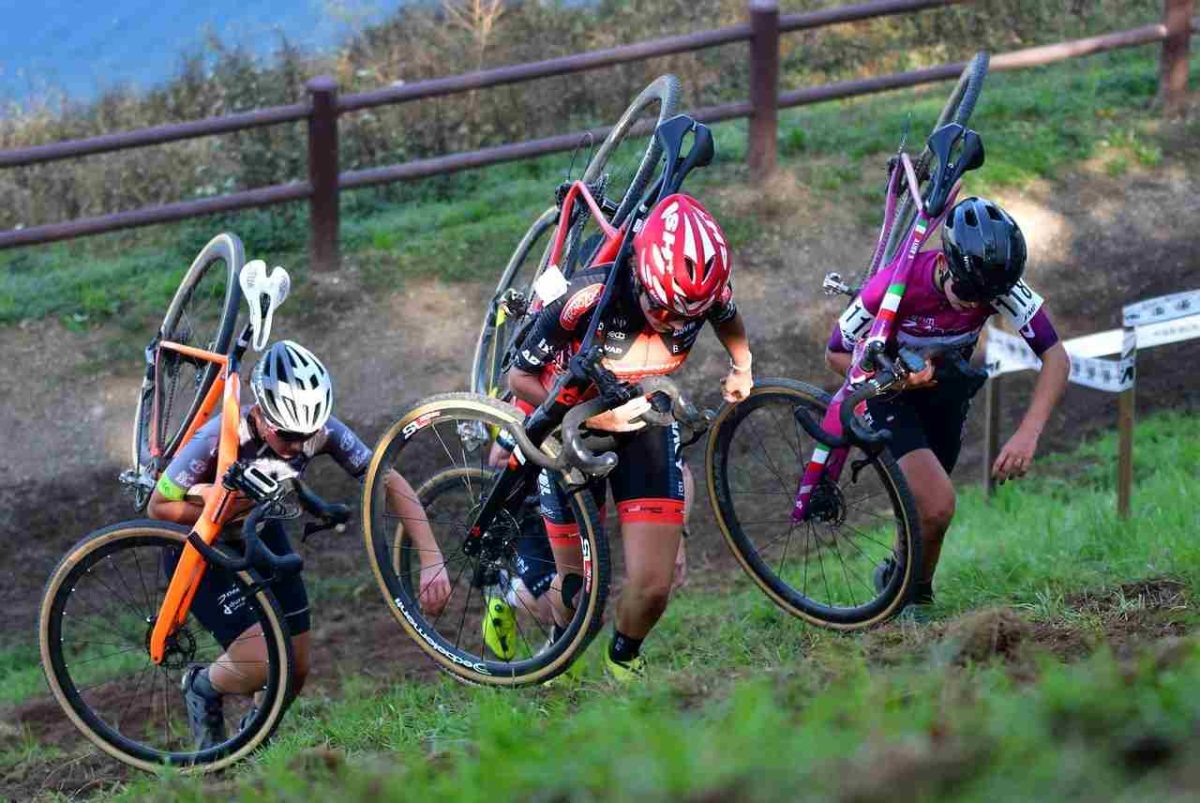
(826, 462)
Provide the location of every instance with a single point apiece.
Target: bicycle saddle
(966, 148)
(264, 293)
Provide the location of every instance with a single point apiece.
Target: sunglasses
(962, 292)
(663, 315)
(287, 436)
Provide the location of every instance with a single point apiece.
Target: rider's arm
(177, 508)
(838, 361)
(855, 322)
(348, 451)
(731, 331)
(1017, 455)
(732, 334)
(527, 386)
(556, 325)
(177, 495)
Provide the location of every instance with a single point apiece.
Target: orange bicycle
(115, 628)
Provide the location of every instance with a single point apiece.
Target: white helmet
(293, 388)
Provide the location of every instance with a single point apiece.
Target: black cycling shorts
(221, 606)
(923, 419)
(647, 484)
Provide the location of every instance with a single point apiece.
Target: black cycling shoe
(244, 722)
(206, 713)
(883, 574)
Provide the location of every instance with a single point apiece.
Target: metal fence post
(1173, 76)
(323, 174)
(764, 87)
(991, 432)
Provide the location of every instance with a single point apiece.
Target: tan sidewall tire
(509, 415)
(121, 531)
(890, 474)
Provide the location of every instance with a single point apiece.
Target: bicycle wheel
(441, 448)
(94, 628)
(624, 164)
(821, 570)
(203, 313)
(957, 110)
(502, 324)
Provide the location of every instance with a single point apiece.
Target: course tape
(1154, 322)
(1163, 308)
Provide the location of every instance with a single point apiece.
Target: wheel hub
(493, 547)
(180, 647)
(827, 504)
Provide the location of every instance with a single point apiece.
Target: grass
(20, 673)
(1036, 123)
(748, 704)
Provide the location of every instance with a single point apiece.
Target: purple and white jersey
(927, 323)
(196, 462)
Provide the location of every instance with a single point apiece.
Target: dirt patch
(915, 770)
(1096, 242)
(1124, 619)
(983, 636)
(77, 770)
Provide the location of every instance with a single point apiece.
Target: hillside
(1062, 666)
(1072, 683)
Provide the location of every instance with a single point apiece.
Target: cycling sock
(923, 593)
(557, 632)
(623, 648)
(202, 685)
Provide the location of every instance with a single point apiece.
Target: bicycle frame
(572, 385)
(827, 462)
(567, 392)
(218, 506)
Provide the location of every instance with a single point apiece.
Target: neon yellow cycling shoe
(500, 629)
(626, 672)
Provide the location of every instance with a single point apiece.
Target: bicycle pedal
(133, 480)
(833, 285)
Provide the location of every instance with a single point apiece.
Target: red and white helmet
(683, 261)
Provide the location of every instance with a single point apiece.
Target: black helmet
(984, 249)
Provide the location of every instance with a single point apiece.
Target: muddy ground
(1096, 242)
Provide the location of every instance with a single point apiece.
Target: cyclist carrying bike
(678, 279)
(289, 424)
(949, 298)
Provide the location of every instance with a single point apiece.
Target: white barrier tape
(1161, 333)
(1170, 331)
(1007, 353)
(1163, 308)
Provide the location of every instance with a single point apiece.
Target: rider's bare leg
(650, 551)
(934, 495)
(242, 669)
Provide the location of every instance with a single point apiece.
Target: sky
(85, 46)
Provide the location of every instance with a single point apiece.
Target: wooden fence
(762, 31)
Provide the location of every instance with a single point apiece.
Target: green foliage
(748, 704)
(20, 673)
(463, 226)
(428, 40)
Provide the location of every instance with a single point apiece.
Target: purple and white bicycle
(802, 487)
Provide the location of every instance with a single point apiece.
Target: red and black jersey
(632, 347)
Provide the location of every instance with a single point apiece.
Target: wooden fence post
(1173, 76)
(764, 87)
(991, 432)
(1125, 417)
(323, 174)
